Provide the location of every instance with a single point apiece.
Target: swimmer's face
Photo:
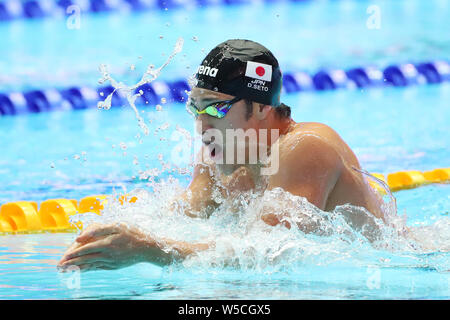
(210, 127)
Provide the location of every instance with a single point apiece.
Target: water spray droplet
(128, 91)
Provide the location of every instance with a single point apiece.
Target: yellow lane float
(21, 216)
(406, 180)
(438, 175)
(54, 214)
(92, 204)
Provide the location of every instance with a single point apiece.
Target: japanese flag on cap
(259, 71)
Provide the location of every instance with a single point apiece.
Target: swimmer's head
(239, 69)
(242, 68)
(238, 86)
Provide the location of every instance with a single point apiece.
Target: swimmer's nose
(206, 128)
(202, 127)
(211, 140)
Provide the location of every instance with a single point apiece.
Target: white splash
(128, 91)
(244, 241)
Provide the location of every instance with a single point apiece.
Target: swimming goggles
(215, 109)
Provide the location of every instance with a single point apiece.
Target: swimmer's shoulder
(308, 144)
(314, 128)
(312, 132)
(309, 132)
(318, 139)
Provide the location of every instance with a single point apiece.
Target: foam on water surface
(243, 241)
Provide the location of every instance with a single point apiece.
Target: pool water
(80, 153)
(28, 272)
(307, 35)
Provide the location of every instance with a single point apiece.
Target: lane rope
(33, 9)
(76, 98)
(53, 215)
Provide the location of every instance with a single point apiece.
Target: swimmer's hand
(116, 246)
(106, 247)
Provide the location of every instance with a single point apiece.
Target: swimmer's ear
(262, 111)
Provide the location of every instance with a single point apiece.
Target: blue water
(80, 153)
(304, 36)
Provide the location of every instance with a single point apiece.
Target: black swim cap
(244, 69)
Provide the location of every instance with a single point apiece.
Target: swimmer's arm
(117, 246)
(166, 251)
(310, 170)
(198, 196)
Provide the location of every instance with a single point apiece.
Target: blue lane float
(366, 77)
(151, 94)
(31, 9)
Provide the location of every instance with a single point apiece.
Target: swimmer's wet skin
(238, 87)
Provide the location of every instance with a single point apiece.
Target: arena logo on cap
(212, 72)
(257, 70)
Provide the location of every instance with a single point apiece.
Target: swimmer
(238, 87)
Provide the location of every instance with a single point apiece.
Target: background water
(80, 153)
(303, 36)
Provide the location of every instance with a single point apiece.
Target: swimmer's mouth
(214, 150)
(211, 147)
